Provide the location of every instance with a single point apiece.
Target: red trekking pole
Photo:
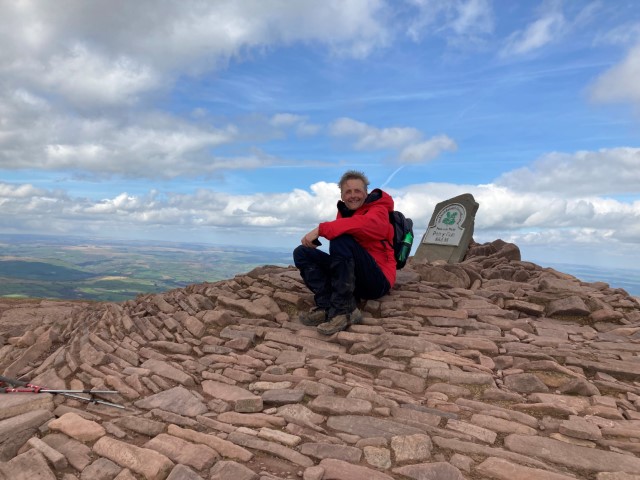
(18, 386)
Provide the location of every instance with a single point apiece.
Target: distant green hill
(80, 269)
(30, 270)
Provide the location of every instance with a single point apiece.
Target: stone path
(494, 368)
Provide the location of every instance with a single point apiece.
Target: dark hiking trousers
(348, 272)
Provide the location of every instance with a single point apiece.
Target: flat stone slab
(101, 469)
(431, 471)
(29, 465)
(470, 448)
(241, 399)
(77, 454)
(148, 463)
(525, 383)
(276, 449)
(15, 431)
(223, 447)
(13, 404)
(501, 425)
(422, 416)
(335, 469)
(282, 397)
(377, 457)
(501, 469)
(324, 450)
(483, 434)
(183, 452)
(176, 400)
(74, 426)
(367, 360)
(466, 343)
(291, 358)
(367, 427)
(251, 420)
(279, 436)
(225, 470)
(371, 396)
(572, 305)
(617, 368)
(300, 415)
(411, 448)
(570, 455)
(406, 381)
(180, 472)
(54, 457)
(300, 341)
(169, 371)
(577, 403)
(142, 425)
(331, 404)
(578, 427)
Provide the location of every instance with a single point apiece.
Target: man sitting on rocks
(360, 263)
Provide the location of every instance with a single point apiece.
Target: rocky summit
(492, 368)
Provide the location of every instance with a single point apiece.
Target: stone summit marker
(449, 231)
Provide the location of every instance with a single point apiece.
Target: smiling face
(353, 193)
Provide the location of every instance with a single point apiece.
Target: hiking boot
(340, 322)
(355, 317)
(314, 317)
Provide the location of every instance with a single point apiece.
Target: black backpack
(402, 237)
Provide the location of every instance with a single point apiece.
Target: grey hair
(354, 175)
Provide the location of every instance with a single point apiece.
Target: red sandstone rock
(440, 359)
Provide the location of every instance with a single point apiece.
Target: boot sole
(310, 322)
(334, 329)
(357, 318)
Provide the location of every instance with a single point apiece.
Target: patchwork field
(88, 269)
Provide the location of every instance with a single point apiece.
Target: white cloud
(625, 34)
(308, 129)
(121, 203)
(87, 79)
(621, 83)
(298, 122)
(556, 21)
(427, 150)
(474, 16)
(408, 141)
(506, 209)
(77, 78)
(531, 219)
(106, 53)
(156, 146)
(27, 209)
(372, 138)
(603, 172)
(286, 120)
(455, 19)
(8, 191)
(537, 34)
(347, 126)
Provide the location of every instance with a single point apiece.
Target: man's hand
(308, 239)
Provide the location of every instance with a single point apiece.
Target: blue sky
(230, 122)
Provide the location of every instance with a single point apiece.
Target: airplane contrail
(392, 175)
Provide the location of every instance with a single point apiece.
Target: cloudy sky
(229, 121)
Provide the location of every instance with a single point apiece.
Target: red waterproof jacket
(369, 225)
